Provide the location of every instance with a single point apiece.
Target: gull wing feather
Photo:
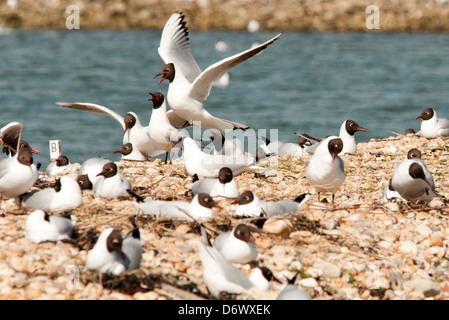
(175, 47)
(94, 108)
(200, 88)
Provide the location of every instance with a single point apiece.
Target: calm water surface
(304, 82)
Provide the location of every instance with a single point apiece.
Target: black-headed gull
(325, 171)
(347, 131)
(223, 186)
(111, 184)
(132, 248)
(199, 208)
(130, 153)
(91, 168)
(261, 278)
(208, 165)
(292, 292)
(10, 136)
(279, 148)
(389, 194)
(219, 274)
(84, 182)
(66, 195)
(107, 255)
(431, 125)
(410, 181)
(237, 245)
(249, 205)
(409, 132)
(58, 166)
(17, 174)
(10, 139)
(133, 130)
(415, 154)
(41, 227)
(224, 146)
(161, 131)
(189, 86)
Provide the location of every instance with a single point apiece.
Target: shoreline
(276, 15)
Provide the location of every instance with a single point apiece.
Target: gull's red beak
(153, 97)
(418, 117)
(360, 129)
(164, 76)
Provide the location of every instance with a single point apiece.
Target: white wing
(39, 199)
(201, 86)
(11, 134)
(175, 47)
(94, 108)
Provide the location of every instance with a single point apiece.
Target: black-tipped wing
(175, 47)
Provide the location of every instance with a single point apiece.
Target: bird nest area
(356, 248)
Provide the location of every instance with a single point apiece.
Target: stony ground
(285, 15)
(357, 249)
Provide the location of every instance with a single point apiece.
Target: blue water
(304, 82)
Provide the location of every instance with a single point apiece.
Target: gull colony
(210, 175)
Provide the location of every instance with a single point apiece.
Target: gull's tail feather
(222, 124)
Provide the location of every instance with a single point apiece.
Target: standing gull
(161, 131)
(17, 174)
(325, 171)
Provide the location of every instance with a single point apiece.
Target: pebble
(425, 286)
(279, 226)
(308, 283)
(356, 249)
(329, 270)
(409, 248)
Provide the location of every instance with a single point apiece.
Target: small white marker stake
(55, 149)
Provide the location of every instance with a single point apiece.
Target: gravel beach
(355, 249)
